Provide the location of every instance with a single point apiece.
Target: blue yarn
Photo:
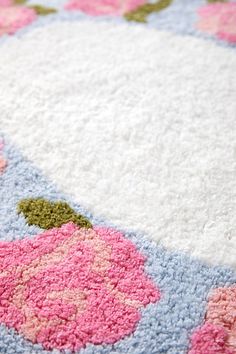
(184, 283)
(180, 18)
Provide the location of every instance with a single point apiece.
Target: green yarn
(212, 1)
(39, 9)
(19, 2)
(42, 10)
(141, 13)
(46, 214)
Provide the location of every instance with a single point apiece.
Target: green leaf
(47, 214)
(42, 10)
(19, 2)
(141, 13)
(212, 1)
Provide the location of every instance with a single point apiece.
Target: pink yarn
(221, 311)
(3, 162)
(69, 287)
(210, 339)
(104, 7)
(6, 3)
(13, 18)
(3, 165)
(219, 19)
(218, 334)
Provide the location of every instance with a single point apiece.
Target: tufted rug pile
(117, 177)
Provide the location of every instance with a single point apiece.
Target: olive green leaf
(42, 10)
(19, 2)
(141, 13)
(47, 214)
(212, 1)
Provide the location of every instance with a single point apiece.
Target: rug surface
(117, 177)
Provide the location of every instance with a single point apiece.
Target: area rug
(117, 177)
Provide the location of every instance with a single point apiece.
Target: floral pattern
(132, 10)
(71, 286)
(14, 17)
(77, 284)
(218, 334)
(219, 19)
(104, 7)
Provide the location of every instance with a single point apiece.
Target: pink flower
(209, 339)
(218, 334)
(71, 286)
(219, 19)
(3, 165)
(6, 3)
(3, 162)
(104, 7)
(13, 18)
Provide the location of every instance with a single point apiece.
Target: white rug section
(138, 125)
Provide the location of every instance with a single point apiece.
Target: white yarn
(138, 125)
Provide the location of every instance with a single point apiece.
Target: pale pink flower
(217, 335)
(3, 162)
(71, 286)
(104, 7)
(6, 3)
(3, 165)
(219, 19)
(13, 18)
